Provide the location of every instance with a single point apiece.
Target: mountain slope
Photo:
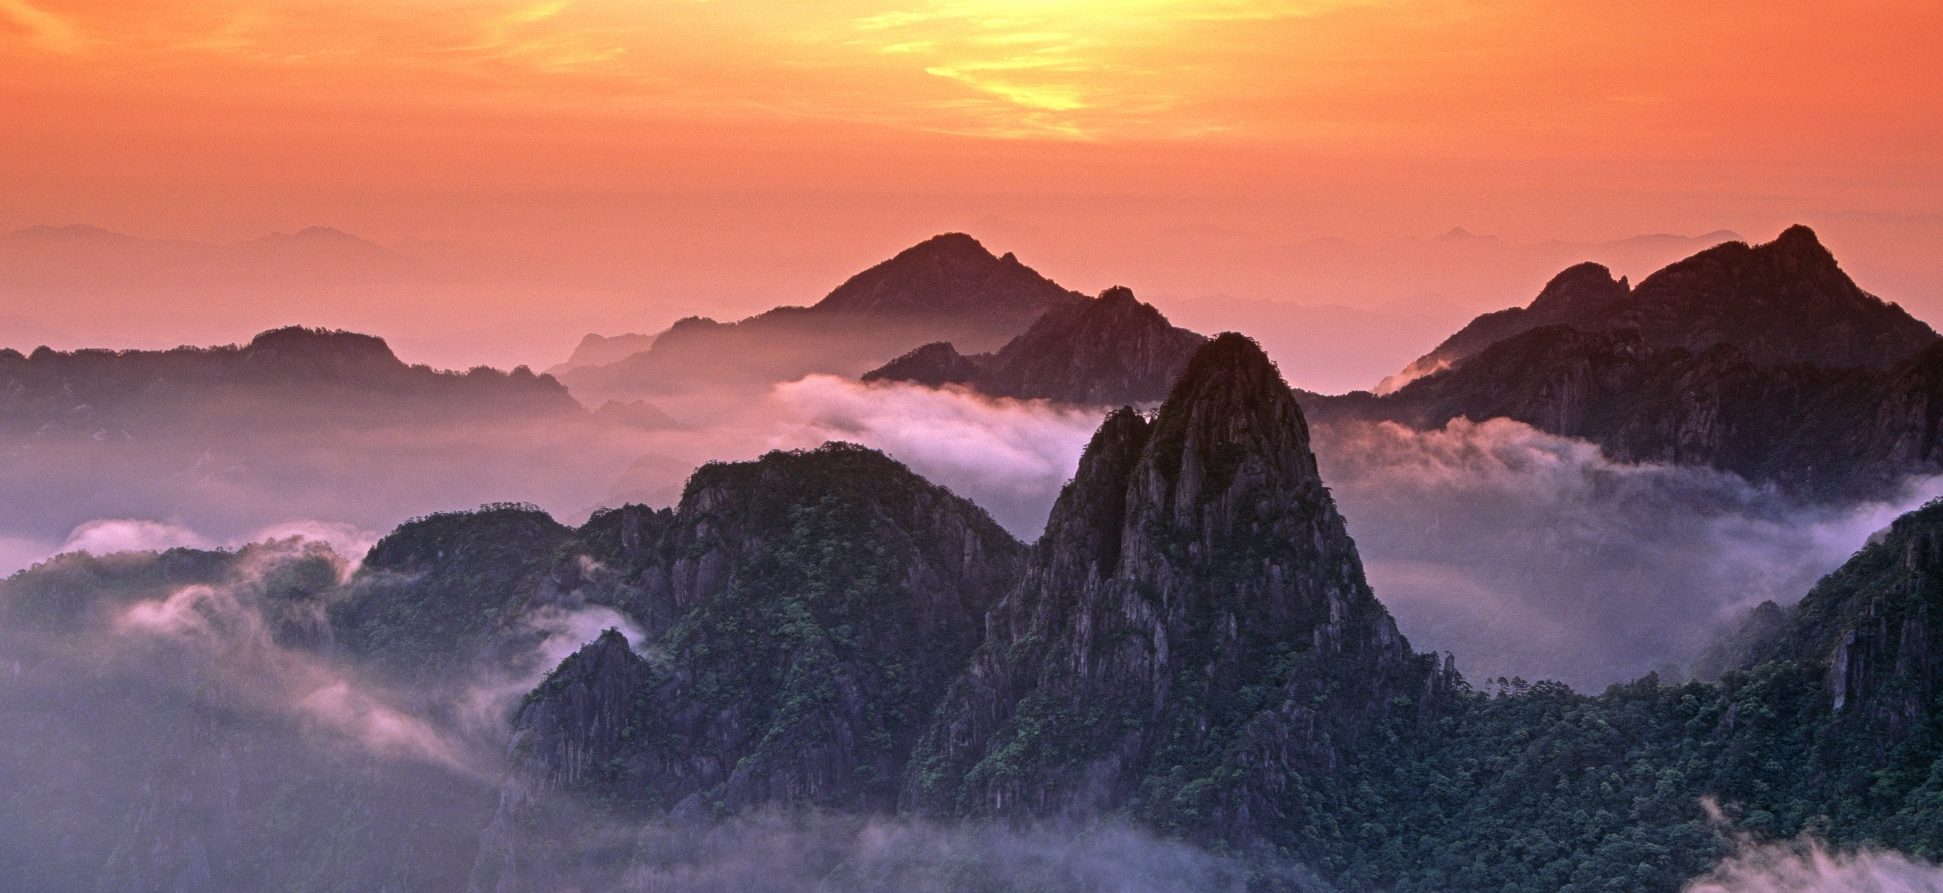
(1111, 350)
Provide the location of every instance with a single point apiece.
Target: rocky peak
(1192, 559)
(1231, 408)
(1586, 287)
(1799, 245)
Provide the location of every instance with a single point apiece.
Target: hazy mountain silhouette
(1111, 350)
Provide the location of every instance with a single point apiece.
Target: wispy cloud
(1074, 69)
(43, 29)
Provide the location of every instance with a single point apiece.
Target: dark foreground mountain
(1109, 351)
(822, 640)
(1192, 635)
(946, 288)
(1765, 361)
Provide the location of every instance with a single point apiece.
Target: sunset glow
(1087, 135)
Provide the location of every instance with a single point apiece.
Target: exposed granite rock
(1192, 634)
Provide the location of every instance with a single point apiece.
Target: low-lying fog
(1520, 552)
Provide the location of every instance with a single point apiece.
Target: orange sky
(678, 137)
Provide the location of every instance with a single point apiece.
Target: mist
(1009, 456)
(1524, 553)
(186, 720)
(1810, 867)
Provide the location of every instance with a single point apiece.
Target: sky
(722, 156)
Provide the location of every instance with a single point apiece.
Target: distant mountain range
(313, 376)
(79, 254)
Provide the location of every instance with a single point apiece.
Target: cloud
(1806, 865)
(231, 631)
(1009, 456)
(1531, 554)
(1809, 867)
(111, 535)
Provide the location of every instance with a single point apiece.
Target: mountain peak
(1800, 243)
(947, 274)
(954, 243)
(1227, 359)
(1586, 285)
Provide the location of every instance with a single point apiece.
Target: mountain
(599, 350)
(1111, 350)
(801, 615)
(1825, 433)
(1783, 302)
(1765, 361)
(1193, 632)
(1874, 623)
(949, 275)
(288, 373)
(819, 669)
(946, 288)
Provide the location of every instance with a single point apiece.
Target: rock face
(1112, 350)
(1783, 302)
(946, 288)
(805, 612)
(1192, 635)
